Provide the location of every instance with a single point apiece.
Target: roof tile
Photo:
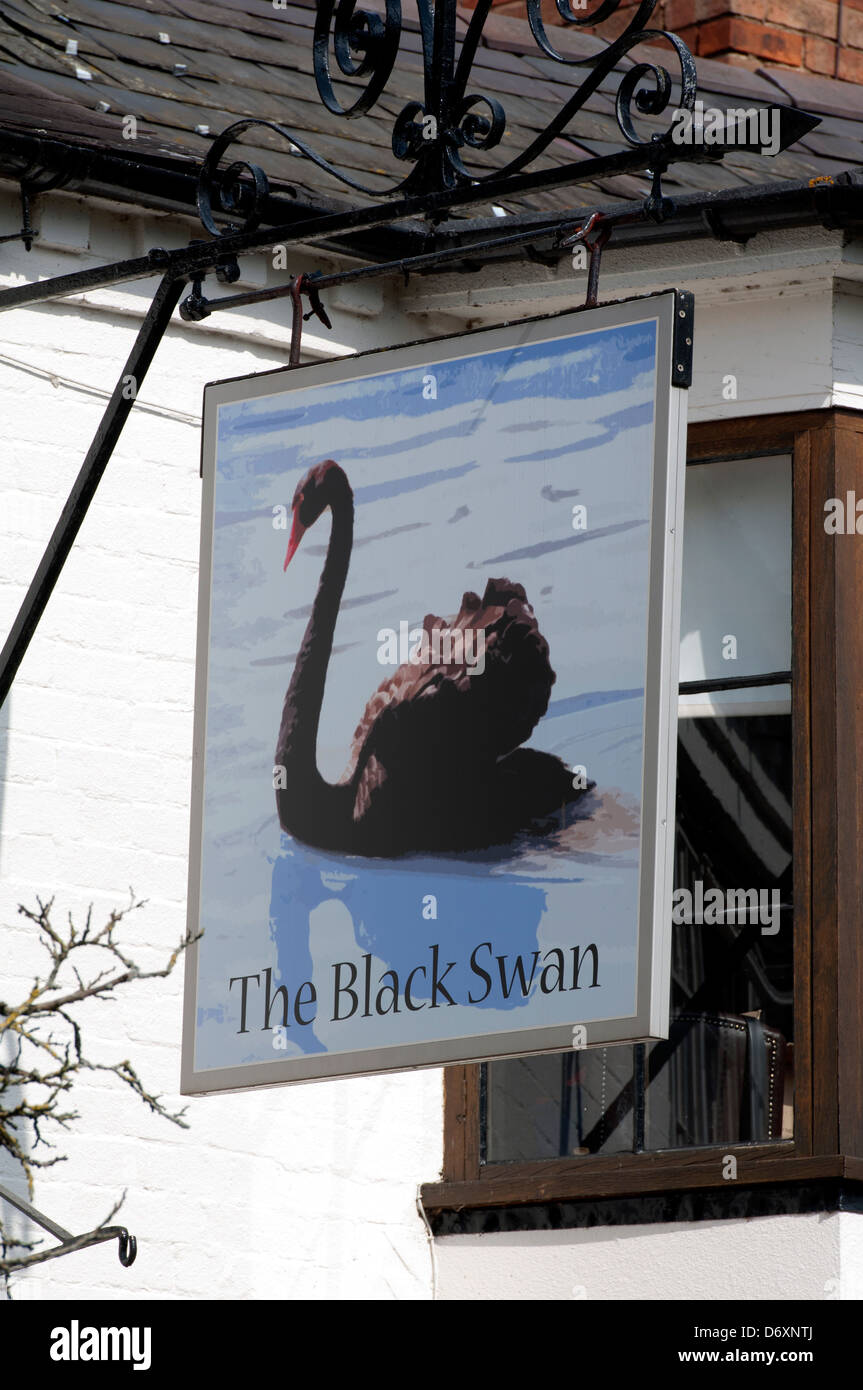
(817, 94)
(243, 58)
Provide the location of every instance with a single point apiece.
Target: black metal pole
(202, 256)
(315, 228)
(29, 1211)
(428, 260)
(149, 336)
(100, 277)
(734, 683)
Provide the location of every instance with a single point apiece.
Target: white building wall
(770, 1257)
(301, 1192)
(306, 1191)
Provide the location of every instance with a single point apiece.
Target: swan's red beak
(298, 530)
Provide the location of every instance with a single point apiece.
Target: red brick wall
(750, 33)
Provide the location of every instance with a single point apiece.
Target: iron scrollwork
(374, 40)
(437, 134)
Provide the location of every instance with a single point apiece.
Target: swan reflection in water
(345, 906)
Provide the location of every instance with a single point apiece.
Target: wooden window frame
(826, 449)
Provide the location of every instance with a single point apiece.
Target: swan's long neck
(306, 796)
(298, 735)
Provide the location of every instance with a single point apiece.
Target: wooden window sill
(634, 1175)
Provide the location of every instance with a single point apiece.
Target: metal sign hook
(597, 231)
(602, 227)
(300, 285)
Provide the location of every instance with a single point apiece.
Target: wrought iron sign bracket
(656, 208)
(195, 307)
(127, 1245)
(227, 269)
(436, 136)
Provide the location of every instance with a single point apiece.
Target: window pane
(725, 1074)
(559, 1106)
(722, 1075)
(736, 608)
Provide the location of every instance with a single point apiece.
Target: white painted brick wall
(297, 1192)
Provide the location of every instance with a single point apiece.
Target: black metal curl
(480, 132)
(649, 103)
(600, 66)
(408, 132)
(607, 8)
(654, 102)
(236, 196)
(356, 32)
(415, 130)
(477, 131)
(230, 195)
(127, 1247)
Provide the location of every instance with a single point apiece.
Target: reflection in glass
(737, 572)
(725, 1074)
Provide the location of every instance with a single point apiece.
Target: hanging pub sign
(433, 799)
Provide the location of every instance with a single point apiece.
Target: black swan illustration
(436, 763)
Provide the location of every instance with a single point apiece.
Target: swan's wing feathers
(369, 784)
(514, 689)
(476, 688)
(395, 689)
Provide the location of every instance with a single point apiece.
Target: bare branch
(42, 1055)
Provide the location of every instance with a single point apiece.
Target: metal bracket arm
(94, 465)
(127, 1248)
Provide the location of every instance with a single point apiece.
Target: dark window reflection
(725, 1075)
